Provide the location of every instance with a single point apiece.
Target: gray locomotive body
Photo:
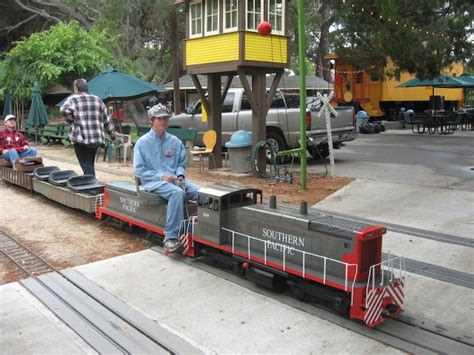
(312, 252)
(324, 247)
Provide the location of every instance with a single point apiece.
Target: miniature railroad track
(409, 332)
(104, 322)
(26, 260)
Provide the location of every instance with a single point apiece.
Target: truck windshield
(227, 106)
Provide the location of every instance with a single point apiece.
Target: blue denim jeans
(13, 155)
(175, 209)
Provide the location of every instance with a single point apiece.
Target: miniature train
(333, 260)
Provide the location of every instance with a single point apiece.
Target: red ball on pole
(264, 28)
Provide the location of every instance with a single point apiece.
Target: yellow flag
(204, 114)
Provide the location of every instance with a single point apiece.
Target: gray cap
(158, 111)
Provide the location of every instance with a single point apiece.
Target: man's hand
(26, 147)
(168, 178)
(181, 182)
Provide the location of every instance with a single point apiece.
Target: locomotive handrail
(389, 264)
(304, 253)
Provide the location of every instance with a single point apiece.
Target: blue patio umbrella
(7, 106)
(37, 116)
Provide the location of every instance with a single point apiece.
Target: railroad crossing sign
(328, 109)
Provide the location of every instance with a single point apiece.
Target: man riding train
(160, 161)
(13, 144)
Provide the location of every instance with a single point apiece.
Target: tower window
(212, 16)
(275, 16)
(195, 19)
(230, 15)
(254, 14)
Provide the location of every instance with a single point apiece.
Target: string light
(323, 68)
(412, 27)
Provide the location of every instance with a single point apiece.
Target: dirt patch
(68, 238)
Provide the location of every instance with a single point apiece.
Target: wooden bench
(54, 133)
(29, 132)
(49, 134)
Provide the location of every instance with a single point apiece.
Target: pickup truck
(282, 128)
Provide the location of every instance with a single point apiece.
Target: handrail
(390, 265)
(304, 253)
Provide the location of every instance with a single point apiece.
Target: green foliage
(421, 36)
(63, 53)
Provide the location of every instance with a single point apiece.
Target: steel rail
(415, 232)
(118, 314)
(70, 307)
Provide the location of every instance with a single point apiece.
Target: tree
(140, 29)
(420, 36)
(59, 55)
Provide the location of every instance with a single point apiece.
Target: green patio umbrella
(465, 81)
(114, 85)
(7, 106)
(37, 116)
(441, 81)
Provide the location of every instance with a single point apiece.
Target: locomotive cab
(214, 205)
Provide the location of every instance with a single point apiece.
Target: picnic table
(443, 122)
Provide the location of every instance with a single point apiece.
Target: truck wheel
(323, 150)
(277, 141)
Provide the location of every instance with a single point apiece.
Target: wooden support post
(259, 115)
(215, 115)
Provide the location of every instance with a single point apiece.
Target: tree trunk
(322, 67)
(175, 60)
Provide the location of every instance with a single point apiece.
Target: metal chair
(209, 139)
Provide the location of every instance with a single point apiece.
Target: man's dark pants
(86, 156)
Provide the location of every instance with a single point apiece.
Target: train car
(126, 202)
(67, 188)
(22, 173)
(381, 97)
(336, 261)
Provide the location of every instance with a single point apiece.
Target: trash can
(362, 117)
(240, 152)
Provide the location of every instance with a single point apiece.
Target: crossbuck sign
(328, 109)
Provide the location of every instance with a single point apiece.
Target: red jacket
(12, 140)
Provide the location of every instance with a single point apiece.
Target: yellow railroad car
(381, 97)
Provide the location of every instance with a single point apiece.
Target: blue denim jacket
(154, 156)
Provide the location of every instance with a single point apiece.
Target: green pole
(301, 54)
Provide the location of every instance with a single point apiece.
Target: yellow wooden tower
(233, 37)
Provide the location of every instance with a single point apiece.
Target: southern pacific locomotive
(334, 260)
